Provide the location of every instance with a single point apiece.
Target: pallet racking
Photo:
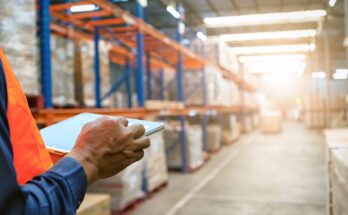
(134, 44)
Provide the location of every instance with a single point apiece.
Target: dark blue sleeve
(58, 191)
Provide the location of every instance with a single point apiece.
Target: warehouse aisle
(261, 174)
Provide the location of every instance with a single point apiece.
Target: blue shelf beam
(97, 79)
(205, 117)
(161, 84)
(45, 52)
(148, 76)
(129, 83)
(125, 77)
(140, 55)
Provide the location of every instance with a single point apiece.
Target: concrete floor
(260, 174)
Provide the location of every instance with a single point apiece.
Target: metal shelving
(134, 44)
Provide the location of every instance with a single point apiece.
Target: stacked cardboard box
(95, 204)
(163, 105)
(156, 163)
(125, 188)
(314, 112)
(271, 121)
(18, 41)
(194, 143)
(337, 166)
(87, 52)
(62, 60)
(231, 129)
(214, 137)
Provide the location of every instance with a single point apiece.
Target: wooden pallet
(130, 207)
(157, 190)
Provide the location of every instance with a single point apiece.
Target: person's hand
(107, 145)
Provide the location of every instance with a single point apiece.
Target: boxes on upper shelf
(18, 41)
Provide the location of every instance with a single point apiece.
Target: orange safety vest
(30, 156)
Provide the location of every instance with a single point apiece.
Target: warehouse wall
(18, 41)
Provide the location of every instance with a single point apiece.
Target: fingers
(142, 143)
(123, 121)
(137, 130)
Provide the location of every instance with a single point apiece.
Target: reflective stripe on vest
(30, 156)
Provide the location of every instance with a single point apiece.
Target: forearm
(58, 191)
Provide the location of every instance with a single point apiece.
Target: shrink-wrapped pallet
(337, 170)
(194, 143)
(62, 61)
(339, 190)
(214, 137)
(87, 53)
(18, 40)
(125, 188)
(156, 163)
(231, 129)
(271, 122)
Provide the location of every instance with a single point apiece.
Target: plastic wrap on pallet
(231, 129)
(194, 143)
(340, 162)
(87, 53)
(271, 121)
(156, 163)
(214, 137)
(62, 60)
(93, 204)
(314, 108)
(18, 41)
(193, 89)
(125, 188)
(340, 190)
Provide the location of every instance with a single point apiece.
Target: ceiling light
(266, 18)
(332, 3)
(338, 76)
(274, 49)
(201, 36)
(272, 58)
(342, 71)
(295, 69)
(173, 12)
(318, 75)
(269, 35)
(83, 8)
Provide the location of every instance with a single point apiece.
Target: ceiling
(197, 10)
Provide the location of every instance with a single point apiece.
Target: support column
(161, 84)
(78, 74)
(140, 55)
(148, 76)
(181, 97)
(97, 90)
(129, 83)
(45, 52)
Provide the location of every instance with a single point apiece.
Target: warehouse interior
(253, 95)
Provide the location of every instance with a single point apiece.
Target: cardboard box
(125, 188)
(156, 162)
(19, 42)
(95, 204)
(214, 137)
(194, 143)
(271, 122)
